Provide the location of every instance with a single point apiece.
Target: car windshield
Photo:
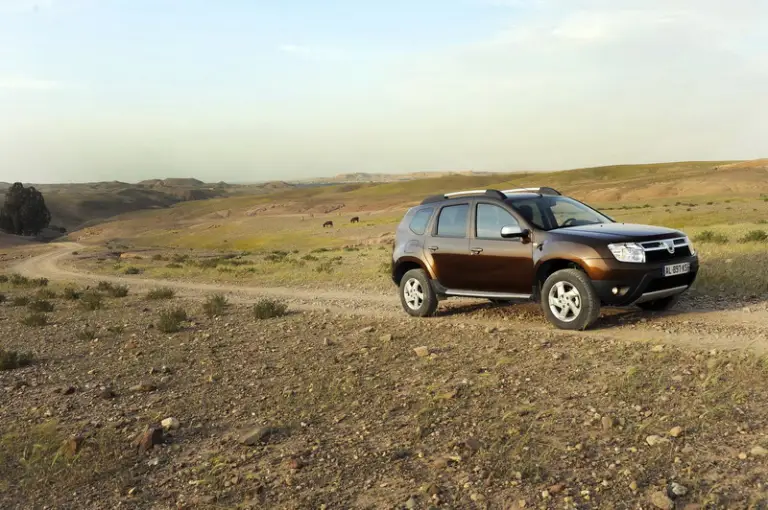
(550, 213)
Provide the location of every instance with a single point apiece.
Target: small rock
(557, 356)
(545, 495)
(655, 440)
(607, 423)
(295, 464)
(143, 387)
(490, 329)
(170, 424)
(758, 451)
(473, 444)
(675, 490)
(151, 437)
(422, 352)
(367, 329)
(556, 489)
(385, 338)
(743, 456)
(676, 431)
(258, 435)
(657, 348)
(633, 486)
(477, 497)
(71, 447)
(411, 503)
(662, 501)
(106, 392)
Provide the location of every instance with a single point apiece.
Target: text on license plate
(676, 269)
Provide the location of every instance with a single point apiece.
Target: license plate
(676, 269)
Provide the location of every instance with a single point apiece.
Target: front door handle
(433, 248)
(476, 251)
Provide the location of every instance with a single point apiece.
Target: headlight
(690, 245)
(628, 252)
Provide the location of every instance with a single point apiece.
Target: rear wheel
(416, 294)
(659, 305)
(569, 301)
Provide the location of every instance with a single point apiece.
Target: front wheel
(569, 300)
(416, 294)
(659, 305)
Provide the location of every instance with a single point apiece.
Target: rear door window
(453, 221)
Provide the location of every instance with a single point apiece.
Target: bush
(161, 293)
(709, 236)
(40, 305)
(325, 267)
(3, 278)
(10, 360)
(19, 281)
(118, 291)
(86, 335)
(117, 329)
(209, 263)
(174, 265)
(71, 294)
(178, 259)
(754, 236)
(269, 308)
(157, 257)
(104, 286)
(215, 305)
(309, 257)
(40, 282)
(276, 256)
(2, 297)
(45, 294)
(20, 301)
(91, 301)
(132, 270)
(35, 320)
(170, 320)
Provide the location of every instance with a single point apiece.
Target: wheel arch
(545, 268)
(406, 264)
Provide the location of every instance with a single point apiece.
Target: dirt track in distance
(724, 327)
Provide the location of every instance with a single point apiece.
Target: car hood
(615, 232)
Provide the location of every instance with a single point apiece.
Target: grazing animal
(328, 224)
(356, 219)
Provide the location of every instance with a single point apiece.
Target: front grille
(670, 282)
(664, 255)
(658, 251)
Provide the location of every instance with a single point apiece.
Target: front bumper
(641, 282)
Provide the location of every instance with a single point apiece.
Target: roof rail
(541, 191)
(491, 193)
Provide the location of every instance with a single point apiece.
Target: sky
(253, 90)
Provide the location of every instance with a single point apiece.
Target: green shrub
(132, 270)
(19, 281)
(40, 282)
(71, 294)
(170, 320)
(118, 291)
(215, 305)
(310, 258)
(117, 329)
(178, 258)
(91, 301)
(40, 305)
(709, 236)
(104, 286)
(20, 301)
(2, 297)
(269, 308)
(209, 263)
(157, 257)
(754, 236)
(10, 360)
(3, 278)
(35, 320)
(325, 267)
(86, 335)
(161, 293)
(276, 256)
(174, 265)
(45, 294)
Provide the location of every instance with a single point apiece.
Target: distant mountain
(383, 177)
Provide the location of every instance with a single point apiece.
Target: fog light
(615, 290)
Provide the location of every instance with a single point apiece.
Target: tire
(659, 305)
(417, 295)
(585, 301)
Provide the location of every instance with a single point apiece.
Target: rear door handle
(433, 248)
(476, 251)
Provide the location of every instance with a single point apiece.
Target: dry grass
(35, 320)
(269, 309)
(161, 293)
(10, 360)
(215, 305)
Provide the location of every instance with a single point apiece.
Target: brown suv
(535, 244)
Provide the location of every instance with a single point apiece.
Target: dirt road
(724, 326)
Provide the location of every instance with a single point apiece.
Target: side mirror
(514, 232)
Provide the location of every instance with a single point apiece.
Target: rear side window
(453, 221)
(420, 221)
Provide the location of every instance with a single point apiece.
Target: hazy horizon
(236, 92)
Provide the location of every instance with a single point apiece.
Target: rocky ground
(316, 409)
